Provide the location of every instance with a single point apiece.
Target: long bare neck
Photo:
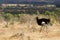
(36, 18)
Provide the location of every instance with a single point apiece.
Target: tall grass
(23, 18)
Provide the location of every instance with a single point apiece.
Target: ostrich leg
(41, 28)
(46, 26)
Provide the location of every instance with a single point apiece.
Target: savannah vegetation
(19, 23)
(20, 16)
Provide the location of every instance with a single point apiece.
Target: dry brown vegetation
(26, 28)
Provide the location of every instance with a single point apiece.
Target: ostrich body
(43, 22)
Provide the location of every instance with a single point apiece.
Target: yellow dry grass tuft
(28, 30)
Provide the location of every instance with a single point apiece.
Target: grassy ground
(26, 28)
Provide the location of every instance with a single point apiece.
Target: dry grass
(28, 30)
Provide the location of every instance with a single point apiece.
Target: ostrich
(43, 22)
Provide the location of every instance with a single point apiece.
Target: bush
(7, 16)
(49, 13)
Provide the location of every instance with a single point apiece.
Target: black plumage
(39, 21)
(43, 22)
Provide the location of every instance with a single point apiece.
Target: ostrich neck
(37, 19)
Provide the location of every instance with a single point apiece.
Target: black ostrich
(43, 22)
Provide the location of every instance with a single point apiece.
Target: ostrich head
(36, 17)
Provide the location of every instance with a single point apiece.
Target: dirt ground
(29, 30)
(19, 31)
